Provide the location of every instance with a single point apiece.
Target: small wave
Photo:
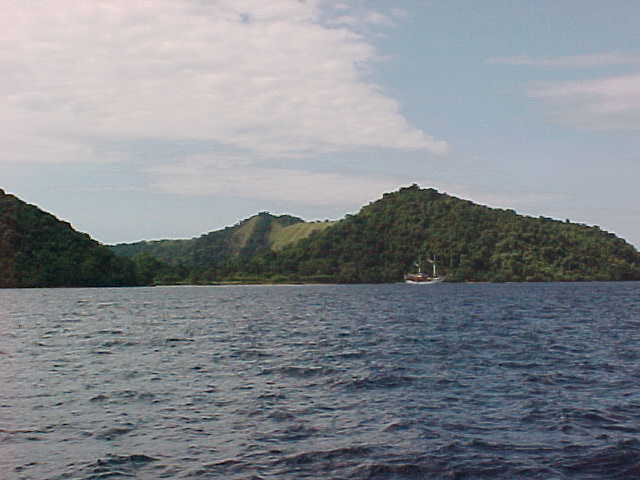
(621, 461)
(225, 466)
(590, 418)
(376, 381)
(326, 455)
(523, 365)
(170, 341)
(300, 371)
(542, 378)
(113, 466)
(114, 432)
(448, 468)
(397, 471)
(105, 305)
(352, 354)
(398, 426)
(118, 343)
(291, 432)
(281, 415)
(487, 446)
(272, 396)
(124, 397)
(251, 353)
(99, 398)
(109, 332)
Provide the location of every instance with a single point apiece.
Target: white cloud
(601, 104)
(571, 61)
(234, 176)
(608, 103)
(264, 77)
(376, 18)
(399, 13)
(360, 19)
(341, 6)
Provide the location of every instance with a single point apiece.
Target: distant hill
(380, 243)
(470, 243)
(243, 240)
(38, 250)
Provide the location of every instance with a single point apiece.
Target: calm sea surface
(472, 381)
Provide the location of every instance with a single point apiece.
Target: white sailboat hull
(425, 282)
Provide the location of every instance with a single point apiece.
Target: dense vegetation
(38, 250)
(216, 255)
(470, 242)
(244, 239)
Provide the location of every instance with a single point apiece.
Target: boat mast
(433, 262)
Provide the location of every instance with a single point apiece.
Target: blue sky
(167, 119)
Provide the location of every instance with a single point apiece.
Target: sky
(149, 119)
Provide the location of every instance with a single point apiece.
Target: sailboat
(423, 278)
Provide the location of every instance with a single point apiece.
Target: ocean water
(447, 381)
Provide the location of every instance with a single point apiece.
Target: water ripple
(363, 382)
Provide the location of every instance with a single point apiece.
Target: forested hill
(38, 250)
(470, 242)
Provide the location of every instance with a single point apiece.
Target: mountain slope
(217, 247)
(470, 242)
(38, 250)
(280, 238)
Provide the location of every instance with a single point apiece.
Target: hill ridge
(244, 239)
(39, 250)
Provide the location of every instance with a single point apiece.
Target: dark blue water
(522, 381)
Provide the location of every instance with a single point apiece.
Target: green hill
(470, 242)
(38, 250)
(280, 238)
(215, 248)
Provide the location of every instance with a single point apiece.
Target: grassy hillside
(214, 249)
(241, 236)
(38, 250)
(285, 236)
